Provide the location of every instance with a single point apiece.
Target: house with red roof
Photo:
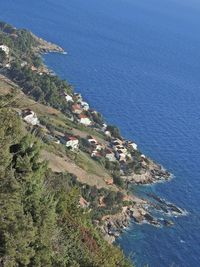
(83, 119)
(76, 109)
(71, 142)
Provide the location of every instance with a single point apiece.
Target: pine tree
(16, 227)
(36, 199)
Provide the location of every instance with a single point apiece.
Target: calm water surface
(137, 62)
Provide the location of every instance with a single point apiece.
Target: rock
(168, 223)
(173, 208)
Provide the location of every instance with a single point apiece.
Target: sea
(138, 63)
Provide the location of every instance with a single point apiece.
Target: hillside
(65, 172)
(49, 192)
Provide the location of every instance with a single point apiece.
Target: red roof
(70, 137)
(76, 106)
(109, 151)
(83, 116)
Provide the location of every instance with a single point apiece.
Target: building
(108, 133)
(85, 106)
(83, 119)
(119, 147)
(99, 147)
(5, 49)
(95, 154)
(68, 97)
(30, 117)
(132, 145)
(110, 155)
(117, 142)
(120, 156)
(78, 97)
(104, 127)
(23, 64)
(8, 66)
(71, 142)
(92, 141)
(143, 157)
(76, 109)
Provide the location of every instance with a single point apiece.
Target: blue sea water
(137, 62)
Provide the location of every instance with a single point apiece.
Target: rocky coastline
(141, 212)
(46, 47)
(153, 173)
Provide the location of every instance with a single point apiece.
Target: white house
(78, 97)
(92, 141)
(8, 65)
(132, 145)
(99, 147)
(120, 156)
(23, 64)
(104, 127)
(108, 133)
(83, 119)
(5, 48)
(143, 156)
(72, 142)
(85, 105)
(30, 117)
(68, 98)
(121, 148)
(110, 155)
(116, 142)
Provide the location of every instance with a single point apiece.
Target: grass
(85, 162)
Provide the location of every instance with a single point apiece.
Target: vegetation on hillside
(23, 60)
(42, 223)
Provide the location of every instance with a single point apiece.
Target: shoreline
(134, 167)
(141, 212)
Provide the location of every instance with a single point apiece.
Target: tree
(2, 57)
(114, 131)
(35, 198)
(16, 228)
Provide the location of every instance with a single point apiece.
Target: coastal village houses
(5, 48)
(68, 98)
(71, 142)
(85, 106)
(92, 141)
(76, 109)
(30, 117)
(78, 97)
(110, 155)
(83, 119)
(120, 156)
(132, 145)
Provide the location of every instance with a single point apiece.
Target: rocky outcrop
(153, 173)
(46, 47)
(140, 212)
